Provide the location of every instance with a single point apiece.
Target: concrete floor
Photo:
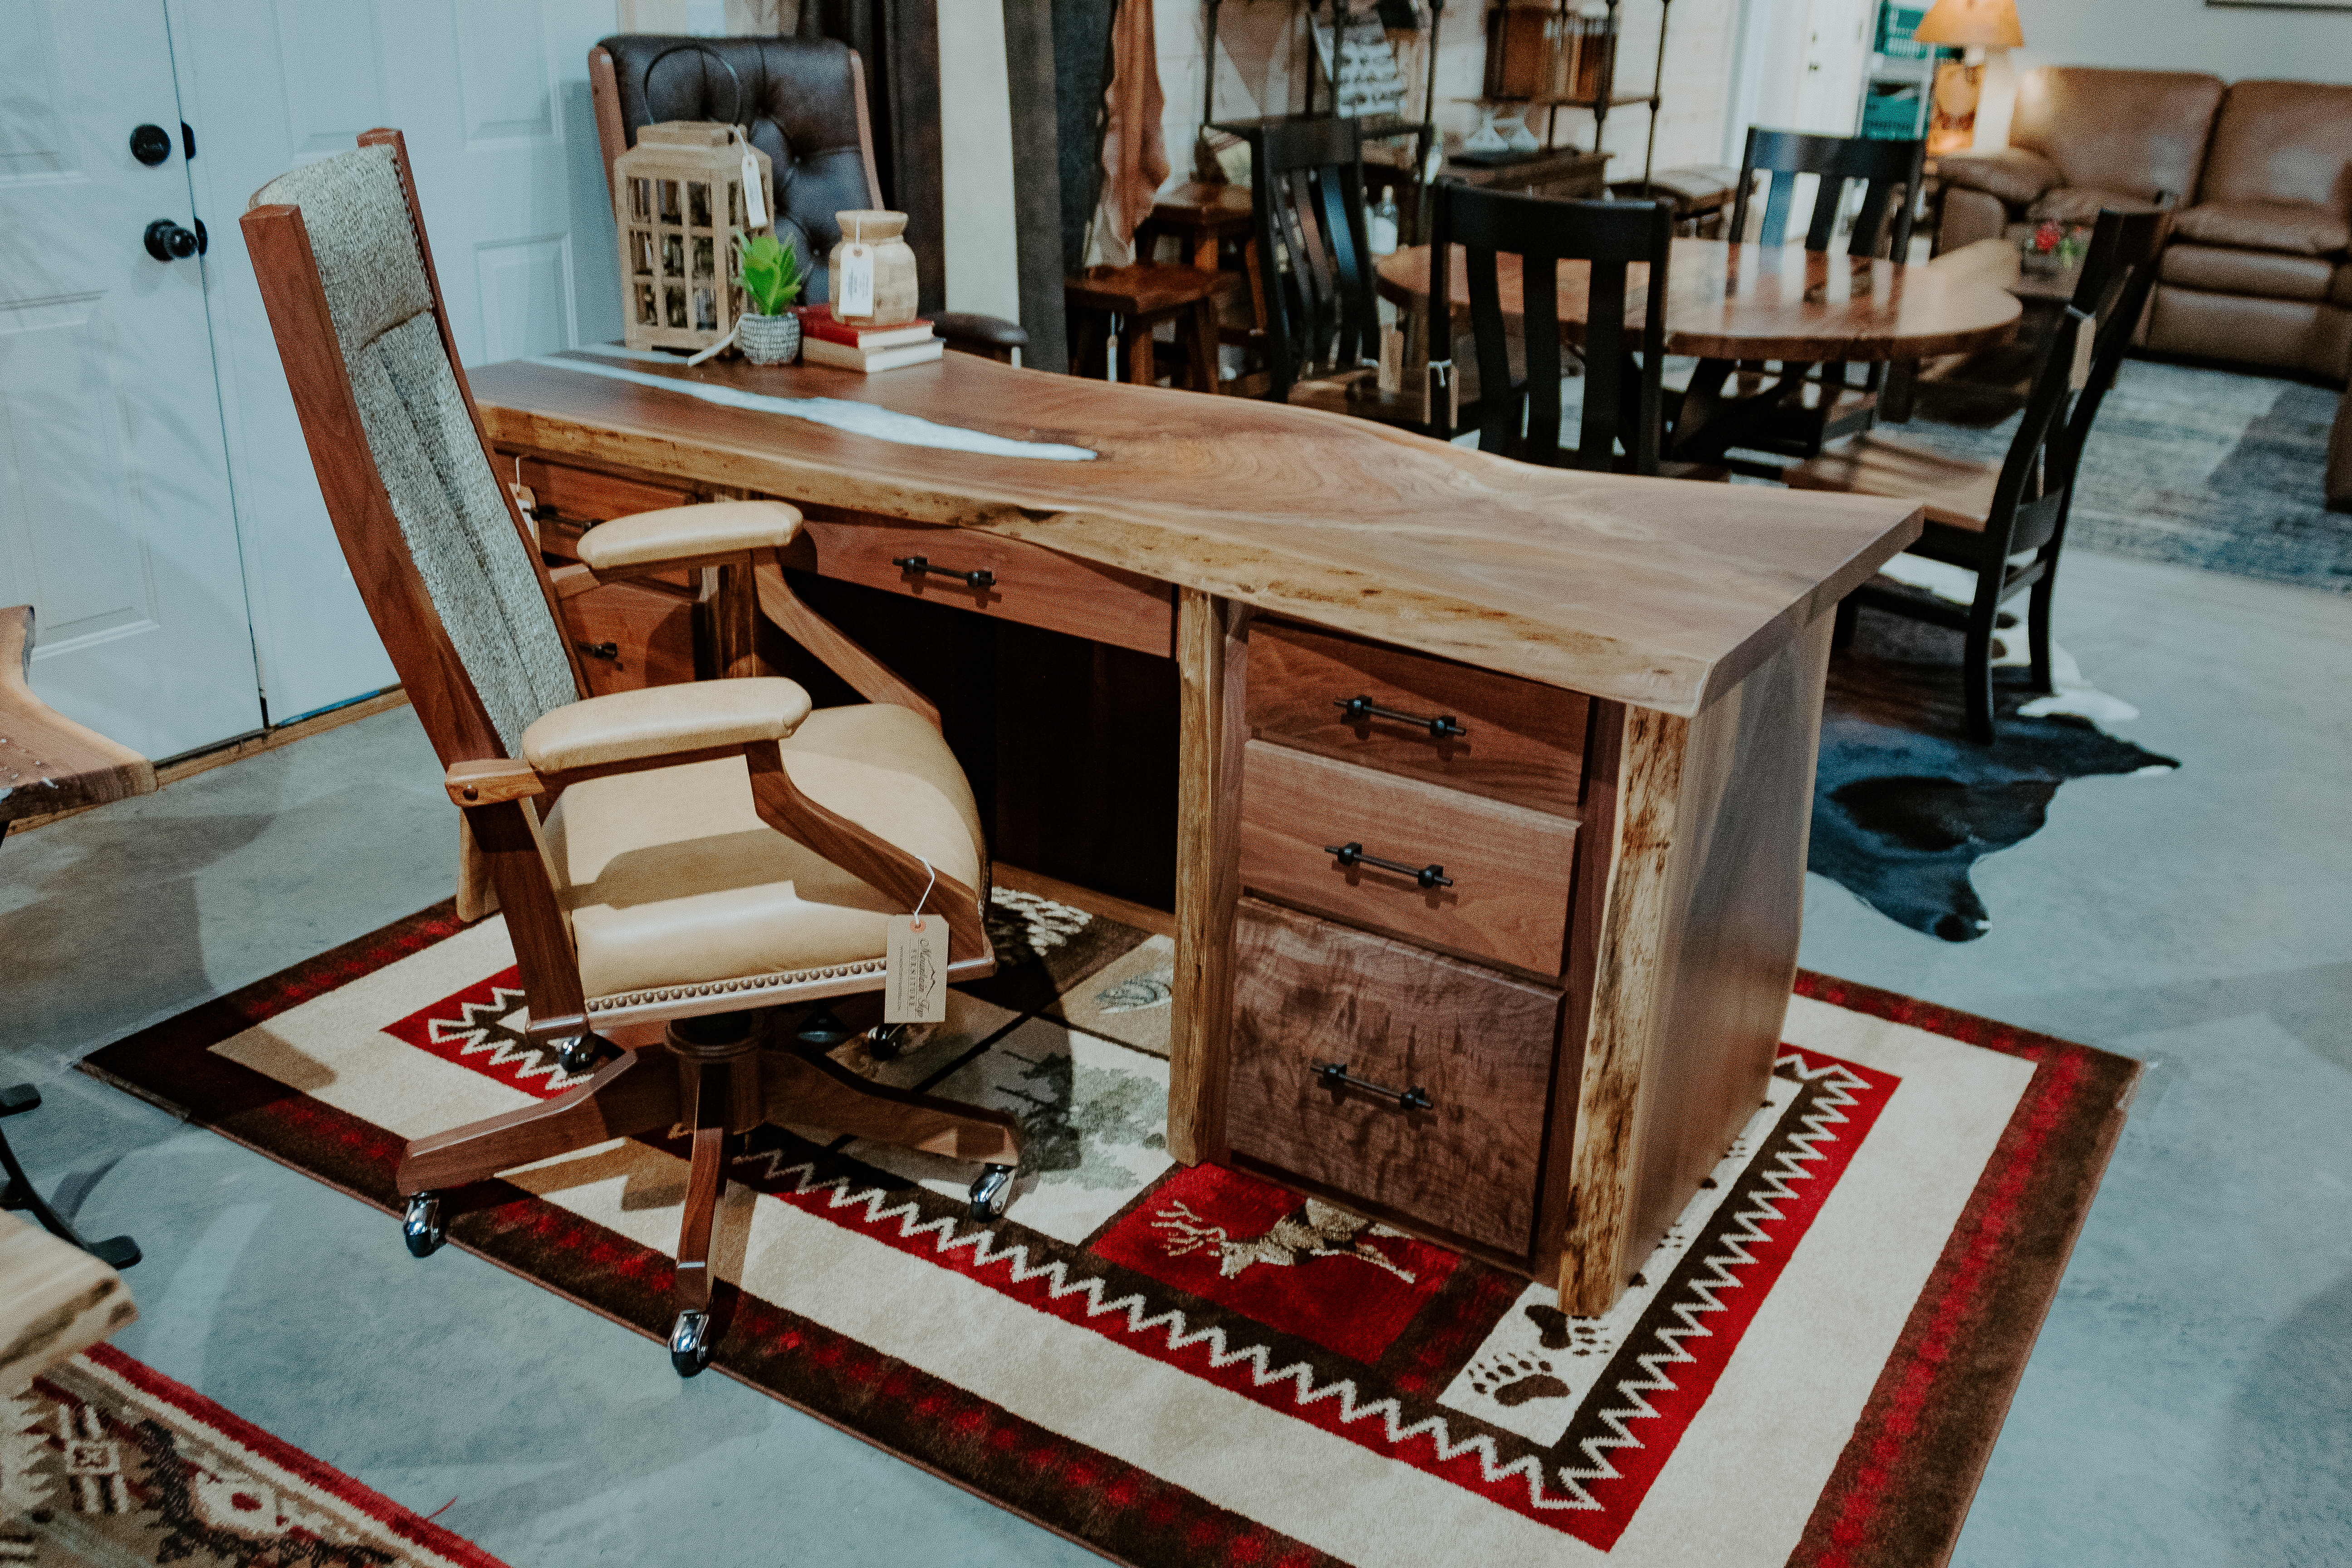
(2188, 1403)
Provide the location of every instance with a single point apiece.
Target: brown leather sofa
(2258, 272)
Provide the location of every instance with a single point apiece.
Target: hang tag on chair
(853, 290)
(915, 962)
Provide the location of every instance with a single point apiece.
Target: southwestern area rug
(105, 1463)
(1185, 1366)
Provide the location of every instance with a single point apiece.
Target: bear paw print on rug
(1514, 1380)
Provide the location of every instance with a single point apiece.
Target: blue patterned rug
(2197, 467)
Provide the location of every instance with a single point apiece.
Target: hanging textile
(1135, 148)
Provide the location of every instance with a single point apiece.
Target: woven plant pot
(770, 340)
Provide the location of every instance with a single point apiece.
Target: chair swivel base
(718, 1075)
(18, 1192)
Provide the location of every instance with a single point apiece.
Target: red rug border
(399, 1518)
(1897, 1495)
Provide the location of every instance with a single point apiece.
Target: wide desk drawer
(1450, 1134)
(570, 501)
(1506, 869)
(1490, 734)
(1025, 583)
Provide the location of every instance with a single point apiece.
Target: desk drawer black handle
(1430, 876)
(1335, 1075)
(1358, 709)
(599, 649)
(916, 565)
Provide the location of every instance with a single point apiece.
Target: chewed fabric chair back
(420, 430)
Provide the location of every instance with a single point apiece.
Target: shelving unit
(1601, 103)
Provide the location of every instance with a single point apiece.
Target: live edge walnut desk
(1548, 1042)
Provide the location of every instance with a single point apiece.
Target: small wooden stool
(1131, 302)
(1212, 226)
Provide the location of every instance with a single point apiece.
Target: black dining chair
(1323, 332)
(1881, 227)
(1619, 425)
(2006, 523)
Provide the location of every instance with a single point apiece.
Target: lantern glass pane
(702, 257)
(673, 256)
(669, 201)
(641, 247)
(641, 200)
(698, 203)
(646, 314)
(674, 297)
(734, 204)
(705, 311)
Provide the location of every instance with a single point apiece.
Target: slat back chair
(1987, 528)
(1883, 167)
(1622, 366)
(1308, 197)
(674, 863)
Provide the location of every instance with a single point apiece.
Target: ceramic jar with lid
(888, 259)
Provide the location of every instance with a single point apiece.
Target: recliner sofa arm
(2012, 174)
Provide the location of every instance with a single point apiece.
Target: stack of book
(825, 341)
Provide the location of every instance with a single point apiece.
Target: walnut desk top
(1655, 592)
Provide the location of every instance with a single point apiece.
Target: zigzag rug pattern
(1598, 1437)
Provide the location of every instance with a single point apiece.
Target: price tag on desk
(915, 965)
(853, 290)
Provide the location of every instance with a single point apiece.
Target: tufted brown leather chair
(803, 100)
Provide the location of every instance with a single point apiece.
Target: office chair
(803, 100)
(675, 863)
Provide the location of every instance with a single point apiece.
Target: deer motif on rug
(1314, 1229)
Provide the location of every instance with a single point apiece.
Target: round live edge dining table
(1728, 305)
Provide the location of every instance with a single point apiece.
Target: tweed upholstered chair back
(420, 429)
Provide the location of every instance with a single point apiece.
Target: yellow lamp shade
(1971, 23)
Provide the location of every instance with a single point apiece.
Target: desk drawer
(1033, 585)
(1477, 1045)
(650, 627)
(574, 501)
(1522, 743)
(1509, 866)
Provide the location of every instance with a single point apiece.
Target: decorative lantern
(679, 199)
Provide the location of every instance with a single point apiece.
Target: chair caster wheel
(992, 1194)
(578, 1054)
(885, 1041)
(421, 1228)
(689, 1344)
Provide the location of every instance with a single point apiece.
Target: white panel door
(116, 523)
(492, 96)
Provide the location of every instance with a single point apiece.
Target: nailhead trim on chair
(752, 985)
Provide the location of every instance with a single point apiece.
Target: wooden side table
(1131, 302)
(1211, 227)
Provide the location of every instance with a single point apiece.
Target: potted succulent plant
(771, 282)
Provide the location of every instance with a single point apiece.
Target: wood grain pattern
(650, 627)
(1754, 301)
(49, 763)
(1645, 590)
(1212, 660)
(1036, 587)
(1511, 866)
(54, 1300)
(1479, 1044)
(1525, 744)
(1697, 952)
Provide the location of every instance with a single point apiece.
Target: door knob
(167, 241)
(150, 144)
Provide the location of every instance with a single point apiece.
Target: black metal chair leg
(2037, 625)
(1975, 673)
(115, 1251)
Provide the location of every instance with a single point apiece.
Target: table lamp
(1974, 25)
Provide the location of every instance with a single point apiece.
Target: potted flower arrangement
(771, 282)
(2052, 249)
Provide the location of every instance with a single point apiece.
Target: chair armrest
(2012, 174)
(662, 722)
(687, 536)
(970, 332)
(54, 1300)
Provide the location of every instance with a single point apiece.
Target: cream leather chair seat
(669, 878)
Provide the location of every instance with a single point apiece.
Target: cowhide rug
(1905, 805)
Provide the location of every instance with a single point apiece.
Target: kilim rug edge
(1898, 1494)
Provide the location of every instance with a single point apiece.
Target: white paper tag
(755, 199)
(915, 979)
(853, 290)
(528, 504)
